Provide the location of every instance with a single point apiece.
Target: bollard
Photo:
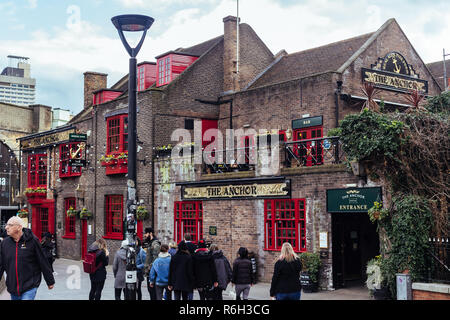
(404, 286)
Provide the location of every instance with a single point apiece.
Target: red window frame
(43, 222)
(188, 218)
(310, 152)
(70, 222)
(249, 152)
(37, 170)
(285, 221)
(114, 217)
(117, 134)
(141, 78)
(65, 169)
(164, 71)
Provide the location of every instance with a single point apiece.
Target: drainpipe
(337, 92)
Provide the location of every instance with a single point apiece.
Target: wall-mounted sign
(394, 73)
(352, 199)
(46, 140)
(212, 230)
(77, 162)
(307, 122)
(77, 137)
(239, 190)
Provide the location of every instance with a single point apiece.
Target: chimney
(93, 81)
(230, 76)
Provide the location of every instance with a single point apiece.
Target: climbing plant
(409, 153)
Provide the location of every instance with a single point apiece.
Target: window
(164, 71)
(43, 221)
(309, 152)
(114, 213)
(284, 221)
(70, 221)
(65, 169)
(37, 170)
(141, 78)
(117, 134)
(188, 219)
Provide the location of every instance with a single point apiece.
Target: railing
(313, 152)
(234, 160)
(438, 261)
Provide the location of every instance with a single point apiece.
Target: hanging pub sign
(307, 122)
(352, 199)
(74, 137)
(46, 140)
(76, 155)
(393, 73)
(237, 190)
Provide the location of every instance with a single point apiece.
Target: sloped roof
(329, 57)
(201, 48)
(437, 69)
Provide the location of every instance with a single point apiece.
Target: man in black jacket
(23, 260)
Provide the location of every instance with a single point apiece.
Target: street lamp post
(131, 23)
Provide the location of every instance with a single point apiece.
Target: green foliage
(334, 132)
(311, 263)
(408, 229)
(371, 136)
(439, 104)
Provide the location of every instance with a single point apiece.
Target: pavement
(73, 284)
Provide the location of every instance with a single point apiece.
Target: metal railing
(313, 152)
(438, 261)
(232, 160)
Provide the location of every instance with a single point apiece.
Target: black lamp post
(131, 23)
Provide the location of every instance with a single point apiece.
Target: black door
(355, 241)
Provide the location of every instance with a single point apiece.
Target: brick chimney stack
(93, 81)
(230, 76)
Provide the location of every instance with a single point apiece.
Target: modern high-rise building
(16, 84)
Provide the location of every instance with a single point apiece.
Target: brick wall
(430, 291)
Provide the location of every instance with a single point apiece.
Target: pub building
(306, 195)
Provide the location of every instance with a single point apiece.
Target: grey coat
(223, 269)
(119, 268)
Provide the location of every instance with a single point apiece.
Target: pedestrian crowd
(172, 271)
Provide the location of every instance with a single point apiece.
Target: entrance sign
(352, 199)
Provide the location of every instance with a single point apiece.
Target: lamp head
(132, 23)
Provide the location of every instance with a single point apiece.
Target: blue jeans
(27, 295)
(289, 296)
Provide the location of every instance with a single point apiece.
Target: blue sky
(66, 38)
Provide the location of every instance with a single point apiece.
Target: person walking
(159, 274)
(140, 263)
(24, 262)
(119, 270)
(285, 283)
(98, 278)
(172, 248)
(153, 246)
(205, 274)
(190, 245)
(223, 269)
(242, 277)
(48, 246)
(181, 273)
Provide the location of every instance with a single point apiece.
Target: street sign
(77, 137)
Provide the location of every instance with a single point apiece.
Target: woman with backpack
(242, 274)
(98, 277)
(286, 275)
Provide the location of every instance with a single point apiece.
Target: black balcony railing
(438, 261)
(231, 160)
(313, 152)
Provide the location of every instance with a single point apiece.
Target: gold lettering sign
(390, 80)
(236, 191)
(46, 140)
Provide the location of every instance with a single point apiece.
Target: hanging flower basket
(71, 212)
(141, 213)
(85, 214)
(377, 212)
(22, 213)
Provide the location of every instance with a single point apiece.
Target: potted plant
(375, 281)
(310, 275)
(377, 212)
(85, 214)
(123, 158)
(71, 212)
(22, 213)
(141, 213)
